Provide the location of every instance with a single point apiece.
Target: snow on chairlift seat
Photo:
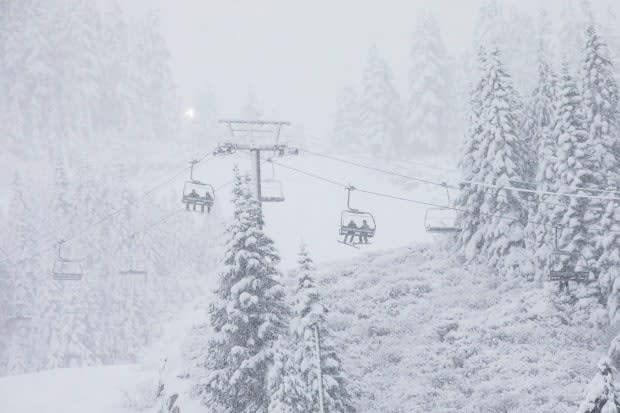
(18, 313)
(67, 270)
(132, 266)
(272, 190)
(440, 220)
(563, 267)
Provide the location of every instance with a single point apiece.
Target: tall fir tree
(543, 156)
(600, 99)
(249, 315)
(469, 200)
(380, 108)
(310, 314)
(428, 116)
(576, 172)
(346, 127)
(501, 161)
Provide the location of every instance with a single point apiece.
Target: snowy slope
(92, 390)
(420, 331)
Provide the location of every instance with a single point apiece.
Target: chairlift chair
(365, 225)
(197, 193)
(65, 269)
(563, 266)
(441, 220)
(133, 267)
(19, 313)
(272, 189)
(226, 148)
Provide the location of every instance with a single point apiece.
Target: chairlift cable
(430, 204)
(466, 182)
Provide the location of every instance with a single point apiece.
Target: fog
(296, 56)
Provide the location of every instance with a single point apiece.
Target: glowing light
(190, 113)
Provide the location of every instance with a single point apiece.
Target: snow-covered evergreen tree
(600, 99)
(380, 108)
(428, 115)
(346, 128)
(309, 314)
(540, 137)
(601, 396)
(249, 315)
(576, 172)
(608, 265)
(469, 200)
(500, 160)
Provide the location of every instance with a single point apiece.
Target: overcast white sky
(297, 55)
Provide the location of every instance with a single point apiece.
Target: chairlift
(133, 269)
(131, 264)
(197, 193)
(65, 269)
(272, 189)
(225, 148)
(19, 313)
(563, 266)
(441, 220)
(356, 223)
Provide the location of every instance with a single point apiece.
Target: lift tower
(255, 137)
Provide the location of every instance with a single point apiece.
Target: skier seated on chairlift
(209, 200)
(363, 234)
(351, 230)
(193, 195)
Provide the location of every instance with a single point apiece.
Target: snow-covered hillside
(420, 331)
(93, 390)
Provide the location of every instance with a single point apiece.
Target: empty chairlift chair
(133, 266)
(19, 313)
(197, 194)
(564, 266)
(441, 220)
(355, 225)
(272, 189)
(65, 269)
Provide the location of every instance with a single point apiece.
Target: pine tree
(428, 113)
(249, 315)
(608, 242)
(22, 295)
(380, 108)
(310, 314)
(345, 132)
(576, 172)
(469, 201)
(284, 383)
(600, 98)
(601, 395)
(540, 136)
(502, 159)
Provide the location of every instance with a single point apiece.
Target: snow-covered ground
(418, 329)
(79, 390)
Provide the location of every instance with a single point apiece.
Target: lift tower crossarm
(254, 126)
